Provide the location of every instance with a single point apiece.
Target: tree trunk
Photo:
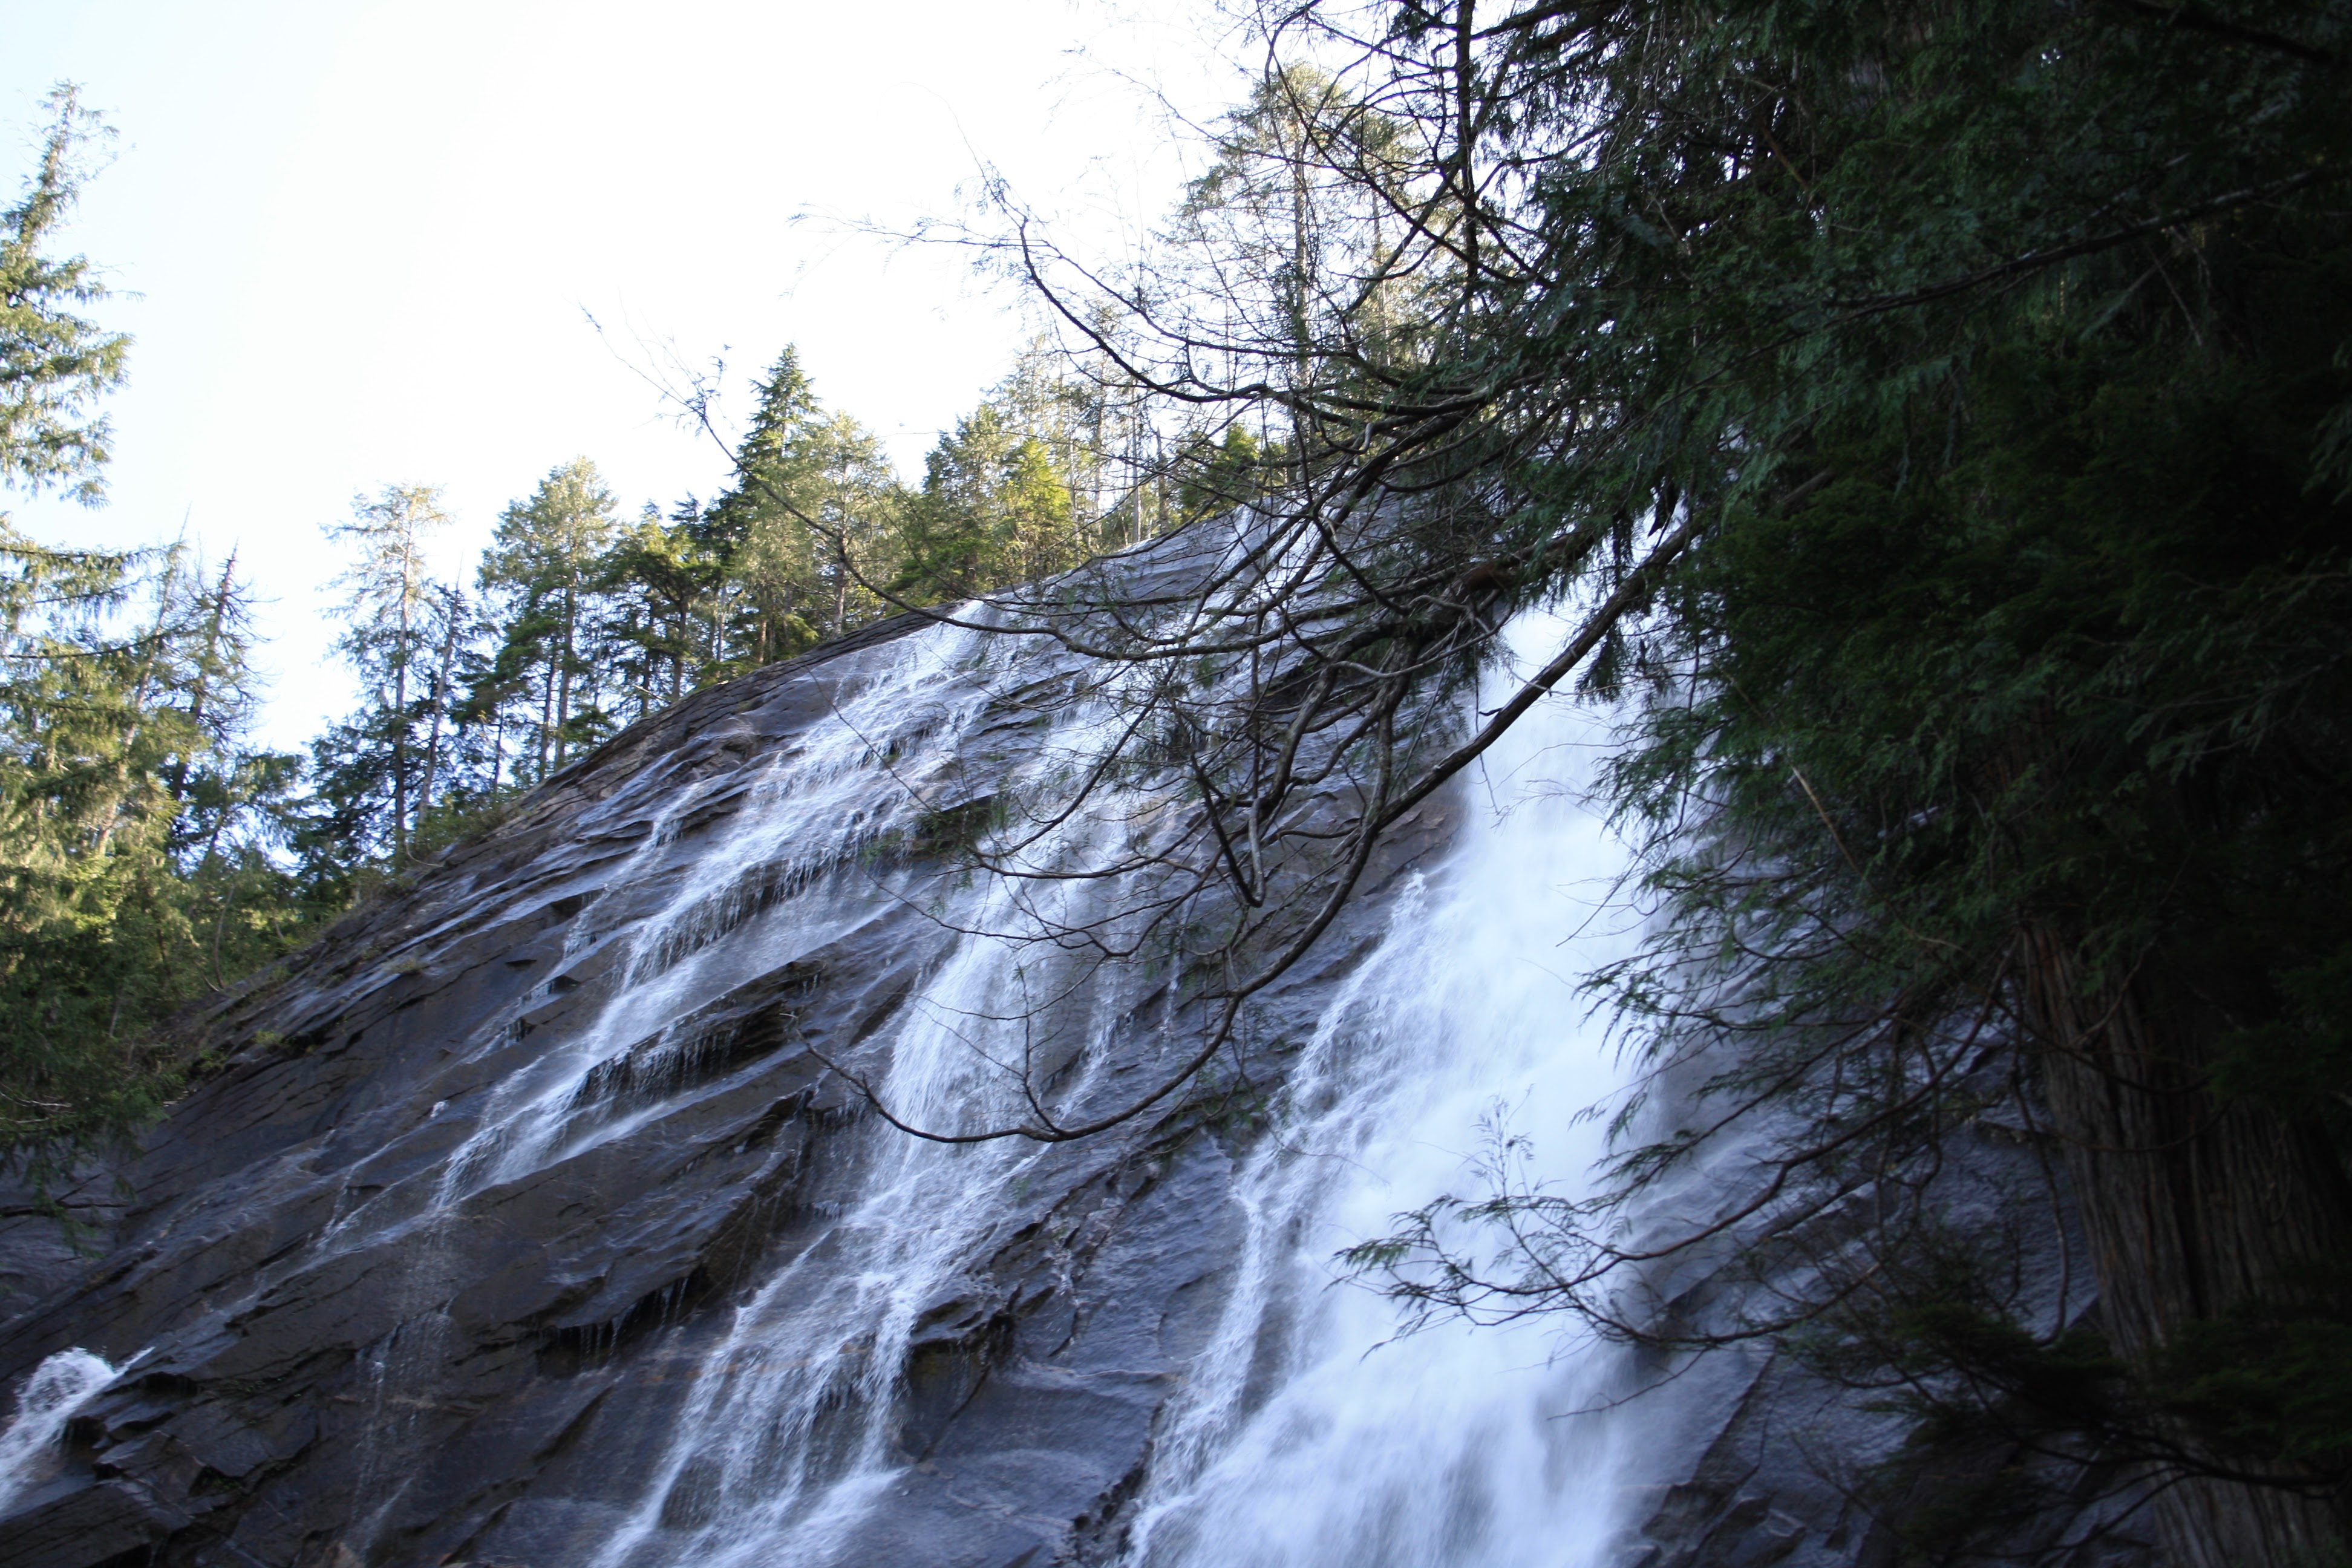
(400, 739)
(2191, 1206)
(564, 697)
(440, 707)
(204, 666)
(546, 719)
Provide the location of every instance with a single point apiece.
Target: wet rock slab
(333, 1363)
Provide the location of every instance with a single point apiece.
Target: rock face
(528, 1219)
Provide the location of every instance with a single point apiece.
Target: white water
(1301, 1439)
(1309, 1434)
(785, 1442)
(780, 876)
(805, 817)
(52, 1395)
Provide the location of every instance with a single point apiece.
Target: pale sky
(363, 235)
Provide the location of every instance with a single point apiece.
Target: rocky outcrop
(307, 1328)
(355, 1325)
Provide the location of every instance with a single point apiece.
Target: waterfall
(778, 1419)
(51, 1395)
(1310, 1435)
(1306, 1434)
(804, 815)
(786, 1440)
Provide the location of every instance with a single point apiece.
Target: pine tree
(401, 634)
(542, 572)
(54, 365)
(806, 520)
(1293, 231)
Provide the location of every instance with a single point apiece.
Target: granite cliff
(526, 1219)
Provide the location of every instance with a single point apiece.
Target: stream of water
(1310, 1435)
(1306, 1435)
(51, 1397)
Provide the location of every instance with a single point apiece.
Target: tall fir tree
(542, 572)
(54, 365)
(660, 588)
(995, 510)
(377, 771)
(805, 521)
(135, 820)
(135, 830)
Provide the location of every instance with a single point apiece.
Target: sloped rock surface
(334, 1357)
(329, 1362)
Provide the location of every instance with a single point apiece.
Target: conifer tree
(133, 827)
(1937, 416)
(806, 518)
(400, 634)
(542, 569)
(54, 365)
(659, 588)
(133, 819)
(1216, 475)
(995, 510)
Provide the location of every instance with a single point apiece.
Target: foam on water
(52, 1395)
(1309, 1434)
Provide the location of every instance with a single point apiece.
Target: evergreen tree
(806, 519)
(1062, 403)
(1213, 476)
(377, 771)
(54, 365)
(1942, 409)
(995, 510)
(135, 830)
(542, 570)
(857, 508)
(1290, 224)
(134, 823)
(661, 605)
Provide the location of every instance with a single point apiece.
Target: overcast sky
(363, 235)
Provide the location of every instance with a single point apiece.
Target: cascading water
(782, 879)
(756, 1473)
(786, 1440)
(774, 1429)
(51, 1397)
(1302, 1438)
(803, 821)
(786, 1435)
(1310, 1435)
